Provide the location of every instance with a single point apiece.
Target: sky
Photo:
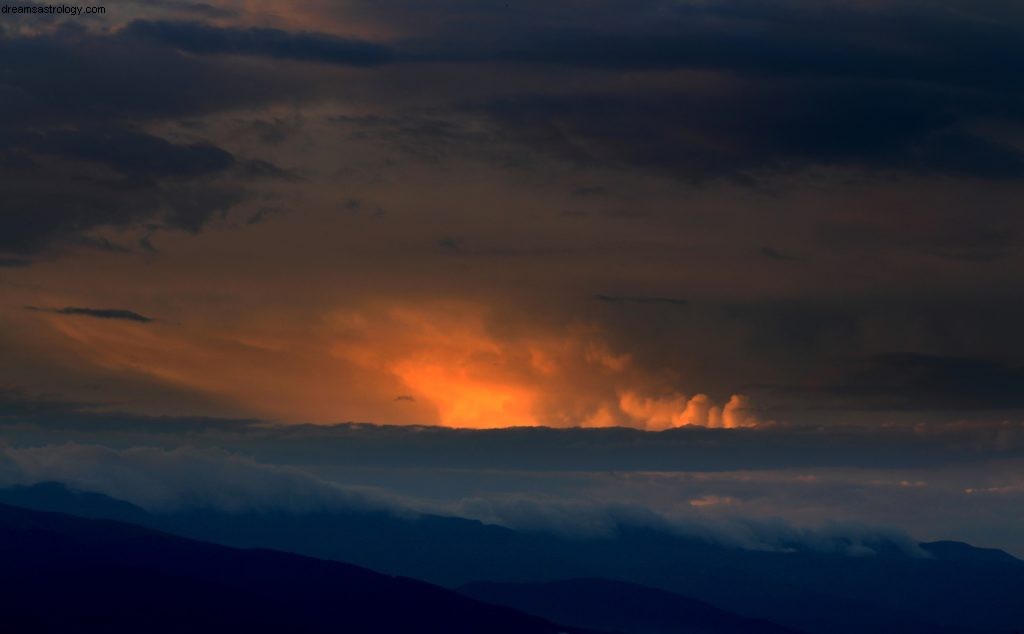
(654, 214)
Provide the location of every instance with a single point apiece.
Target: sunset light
(531, 317)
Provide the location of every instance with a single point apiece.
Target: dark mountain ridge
(620, 606)
(68, 574)
(945, 588)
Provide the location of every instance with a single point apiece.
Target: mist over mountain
(959, 482)
(942, 587)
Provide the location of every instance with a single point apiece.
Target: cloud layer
(185, 480)
(658, 214)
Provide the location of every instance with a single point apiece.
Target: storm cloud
(800, 220)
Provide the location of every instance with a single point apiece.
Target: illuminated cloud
(678, 411)
(703, 223)
(456, 358)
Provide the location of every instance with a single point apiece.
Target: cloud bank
(185, 480)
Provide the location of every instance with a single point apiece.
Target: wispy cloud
(98, 313)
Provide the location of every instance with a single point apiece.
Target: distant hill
(619, 606)
(58, 498)
(61, 574)
(959, 551)
(956, 589)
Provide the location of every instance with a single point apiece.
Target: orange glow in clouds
(464, 401)
(447, 356)
(457, 364)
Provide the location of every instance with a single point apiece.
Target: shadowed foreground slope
(66, 574)
(943, 588)
(619, 606)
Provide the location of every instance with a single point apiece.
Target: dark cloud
(258, 168)
(978, 237)
(272, 131)
(197, 37)
(924, 382)
(618, 299)
(68, 76)
(871, 88)
(101, 244)
(358, 206)
(763, 127)
(14, 263)
(804, 357)
(837, 87)
(17, 404)
(787, 38)
(77, 180)
(77, 157)
(905, 40)
(429, 136)
(201, 9)
(774, 254)
(146, 244)
(685, 449)
(129, 152)
(264, 213)
(98, 419)
(459, 247)
(99, 313)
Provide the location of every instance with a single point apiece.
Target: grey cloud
(796, 350)
(41, 213)
(80, 157)
(808, 89)
(771, 447)
(182, 186)
(197, 37)
(186, 479)
(180, 479)
(789, 37)
(584, 518)
(920, 381)
(870, 88)
(774, 254)
(69, 76)
(201, 9)
(76, 174)
(130, 152)
(836, 87)
(260, 169)
(724, 486)
(766, 128)
(99, 313)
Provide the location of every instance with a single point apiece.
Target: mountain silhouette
(944, 588)
(959, 551)
(61, 574)
(619, 606)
